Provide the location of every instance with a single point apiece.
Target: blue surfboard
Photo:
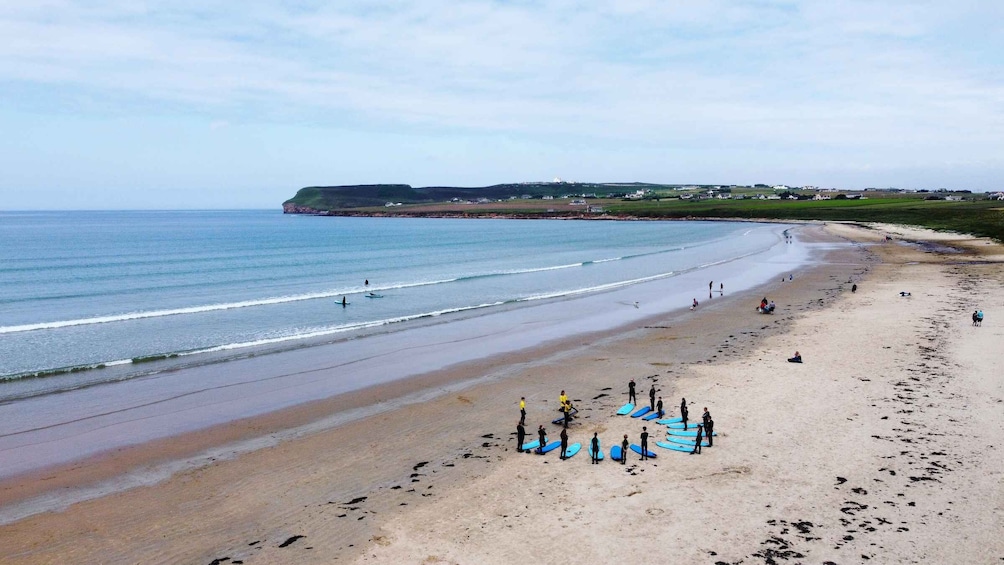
(641, 412)
(670, 420)
(691, 425)
(625, 409)
(549, 447)
(651, 416)
(688, 433)
(675, 446)
(686, 441)
(615, 453)
(531, 445)
(572, 450)
(599, 456)
(561, 419)
(637, 449)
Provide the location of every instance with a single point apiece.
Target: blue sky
(185, 104)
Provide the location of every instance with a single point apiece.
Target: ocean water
(84, 293)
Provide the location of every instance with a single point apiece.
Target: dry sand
(884, 446)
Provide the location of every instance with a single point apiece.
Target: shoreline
(315, 475)
(59, 429)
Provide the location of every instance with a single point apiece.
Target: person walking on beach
(564, 443)
(522, 410)
(683, 413)
(624, 449)
(542, 437)
(651, 398)
(644, 443)
(520, 436)
(596, 448)
(721, 289)
(658, 408)
(709, 430)
(697, 446)
(632, 398)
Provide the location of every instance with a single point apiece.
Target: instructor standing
(520, 436)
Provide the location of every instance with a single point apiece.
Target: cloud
(849, 77)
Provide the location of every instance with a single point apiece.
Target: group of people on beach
(977, 317)
(705, 429)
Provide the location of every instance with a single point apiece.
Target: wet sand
(885, 444)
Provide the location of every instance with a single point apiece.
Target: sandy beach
(885, 446)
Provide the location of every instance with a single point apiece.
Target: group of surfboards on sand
(681, 434)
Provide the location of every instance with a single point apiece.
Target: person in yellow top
(563, 399)
(522, 410)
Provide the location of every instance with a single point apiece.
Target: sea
(88, 297)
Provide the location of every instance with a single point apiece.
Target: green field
(977, 217)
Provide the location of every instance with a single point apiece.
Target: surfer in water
(344, 302)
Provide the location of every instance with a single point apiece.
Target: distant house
(548, 197)
(595, 209)
(577, 202)
(821, 197)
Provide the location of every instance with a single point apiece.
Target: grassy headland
(962, 212)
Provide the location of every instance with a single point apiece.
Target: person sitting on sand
(694, 305)
(770, 307)
(904, 293)
(796, 359)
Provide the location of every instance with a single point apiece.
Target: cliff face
(293, 208)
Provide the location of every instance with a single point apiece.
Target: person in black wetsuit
(705, 416)
(596, 448)
(709, 428)
(520, 436)
(644, 443)
(632, 398)
(658, 408)
(564, 442)
(542, 436)
(697, 446)
(684, 413)
(651, 398)
(624, 449)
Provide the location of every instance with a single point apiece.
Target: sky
(114, 104)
